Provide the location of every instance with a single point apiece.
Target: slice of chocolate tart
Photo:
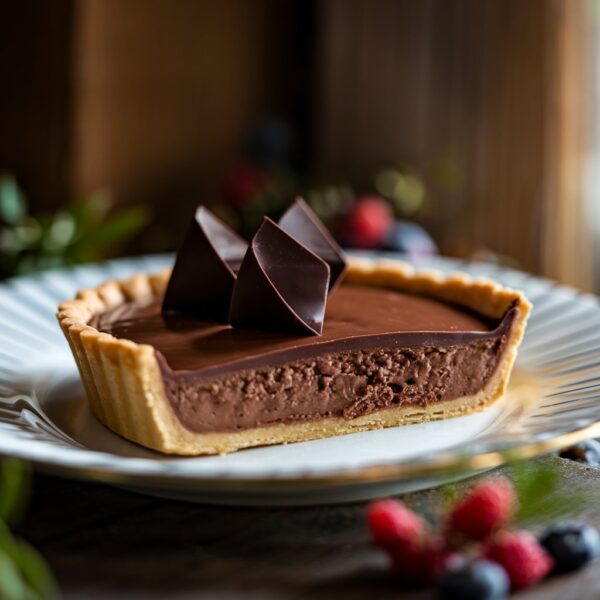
(299, 356)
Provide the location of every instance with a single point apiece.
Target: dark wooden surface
(107, 543)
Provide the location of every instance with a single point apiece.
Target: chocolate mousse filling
(379, 349)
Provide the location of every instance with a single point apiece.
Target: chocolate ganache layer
(379, 349)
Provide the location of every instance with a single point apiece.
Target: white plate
(553, 400)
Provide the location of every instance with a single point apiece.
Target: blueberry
(410, 238)
(587, 452)
(571, 545)
(271, 141)
(478, 580)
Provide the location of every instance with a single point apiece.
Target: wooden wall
(149, 98)
(164, 93)
(152, 98)
(492, 90)
(35, 80)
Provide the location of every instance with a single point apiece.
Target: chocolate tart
(397, 346)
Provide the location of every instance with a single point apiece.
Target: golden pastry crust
(125, 388)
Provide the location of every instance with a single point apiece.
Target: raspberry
(416, 558)
(391, 523)
(420, 561)
(522, 557)
(368, 222)
(243, 184)
(487, 508)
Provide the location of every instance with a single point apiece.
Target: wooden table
(107, 543)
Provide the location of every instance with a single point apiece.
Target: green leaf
(541, 498)
(12, 586)
(77, 233)
(13, 206)
(27, 263)
(449, 495)
(9, 241)
(37, 581)
(92, 210)
(114, 229)
(60, 233)
(15, 486)
(534, 481)
(35, 572)
(29, 232)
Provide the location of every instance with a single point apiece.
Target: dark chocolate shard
(303, 225)
(281, 285)
(205, 269)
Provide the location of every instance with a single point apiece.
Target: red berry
(488, 507)
(421, 561)
(391, 523)
(521, 555)
(416, 558)
(243, 184)
(368, 222)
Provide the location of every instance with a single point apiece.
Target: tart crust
(125, 388)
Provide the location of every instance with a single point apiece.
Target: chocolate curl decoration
(304, 225)
(205, 269)
(281, 285)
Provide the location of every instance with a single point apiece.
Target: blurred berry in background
(409, 238)
(375, 212)
(368, 223)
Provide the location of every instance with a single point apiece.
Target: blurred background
(465, 127)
